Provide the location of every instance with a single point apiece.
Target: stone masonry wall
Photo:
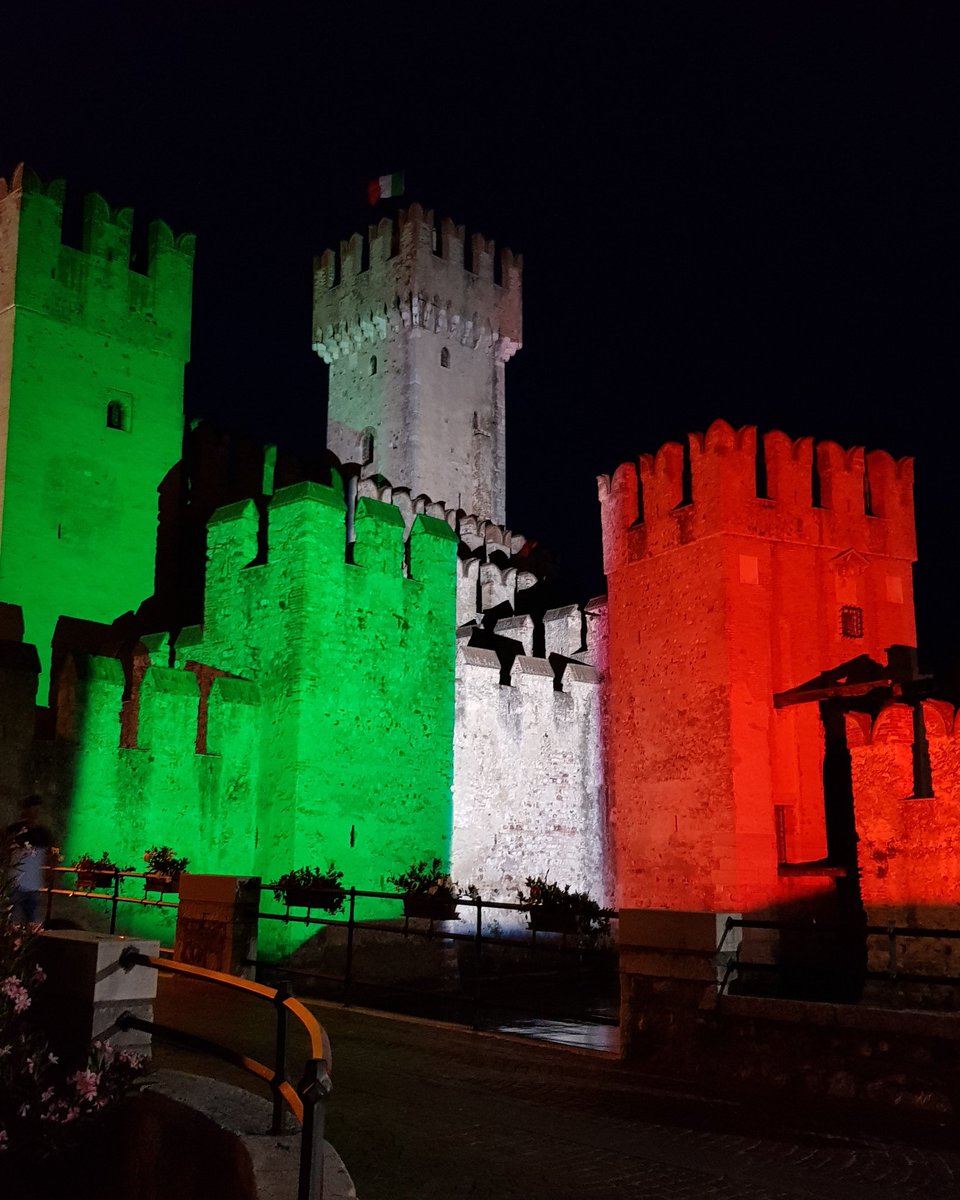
(528, 781)
(909, 847)
(719, 601)
(81, 332)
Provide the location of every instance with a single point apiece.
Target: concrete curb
(274, 1160)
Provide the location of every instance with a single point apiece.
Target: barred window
(851, 621)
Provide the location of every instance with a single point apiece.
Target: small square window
(851, 621)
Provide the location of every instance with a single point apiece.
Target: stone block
(217, 923)
(673, 931)
(87, 990)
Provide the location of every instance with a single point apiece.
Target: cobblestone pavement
(426, 1112)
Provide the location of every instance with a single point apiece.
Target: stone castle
(738, 728)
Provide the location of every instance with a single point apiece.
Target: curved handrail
(320, 1048)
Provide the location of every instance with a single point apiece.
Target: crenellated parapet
(404, 277)
(94, 285)
(865, 501)
(908, 831)
(528, 772)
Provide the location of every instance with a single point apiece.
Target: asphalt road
(427, 1112)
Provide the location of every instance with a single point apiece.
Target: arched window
(366, 447)
(444, 357)
(116, 415)
(373, 364)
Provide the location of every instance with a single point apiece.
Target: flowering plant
(575, 909)
(42, 1106)
(86, 864)
(311, 888)
(425, 879)
(161, 860)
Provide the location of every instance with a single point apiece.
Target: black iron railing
(306, 1101)
(106, 886)
(814, 929)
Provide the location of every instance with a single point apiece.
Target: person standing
(30, 843)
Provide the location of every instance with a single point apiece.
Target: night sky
(736, 210)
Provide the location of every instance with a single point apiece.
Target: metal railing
(815, 928)
(111, 880)
(570, 943)
(306, 1101)
(477, 920)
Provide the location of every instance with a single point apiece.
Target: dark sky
(737, 210)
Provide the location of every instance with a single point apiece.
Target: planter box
(429, 907)
(161, 883)
(553, 920)
(94, 881)
(328, 899)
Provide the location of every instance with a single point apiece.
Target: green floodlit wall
(337, 743)
(80, 331)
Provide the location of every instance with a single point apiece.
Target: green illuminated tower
(92, 357)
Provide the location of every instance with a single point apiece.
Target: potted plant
(164, 869)
(428, 891)
(96, 873)
(309, 887)
(555, 909)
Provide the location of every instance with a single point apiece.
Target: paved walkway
(421, 1112)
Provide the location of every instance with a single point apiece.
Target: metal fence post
(279, 1055)
(314, 1089)
(348, 968)
(115, 903)
(478, 964)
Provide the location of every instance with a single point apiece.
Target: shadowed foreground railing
(306, 1101)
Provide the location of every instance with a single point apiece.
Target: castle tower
(721, 604)
(416, 344)
(92, 356)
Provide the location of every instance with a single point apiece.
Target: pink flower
(53, 1058)
(86, 1083)
(47, 1094)
(14, 989)
(39, 974)
(4, 1051)
(23, 1110)
(3, 1138)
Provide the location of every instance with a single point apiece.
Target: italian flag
(385, 187)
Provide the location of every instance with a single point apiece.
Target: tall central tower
(416, 344)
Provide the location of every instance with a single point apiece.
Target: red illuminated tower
(719, 602)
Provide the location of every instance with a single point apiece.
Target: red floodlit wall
(909, 847)
(714, 606)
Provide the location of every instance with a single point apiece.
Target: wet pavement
(423, 1111)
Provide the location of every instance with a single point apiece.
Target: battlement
(414, 279)
(894, 724)
(524, 672)
(907, 807)
(309, 520)
(865, 501)
(95, 284)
